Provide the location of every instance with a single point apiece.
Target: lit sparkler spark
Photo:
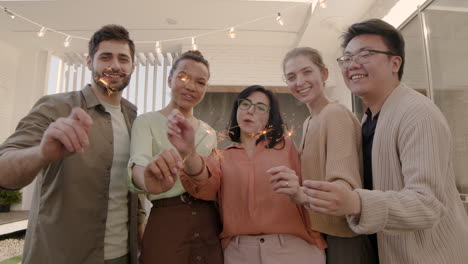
(184, 78)
(225, 134)
(263, 132)
(106, 84)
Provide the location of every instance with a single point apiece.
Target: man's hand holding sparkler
(66, 136)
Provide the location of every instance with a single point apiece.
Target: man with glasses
(409, 200)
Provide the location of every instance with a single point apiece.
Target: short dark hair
(194, 55)
(110, 32)
(274, 128)
(389, 34)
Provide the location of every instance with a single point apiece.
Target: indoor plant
(7, 198)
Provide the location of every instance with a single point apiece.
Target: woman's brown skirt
(182, 230)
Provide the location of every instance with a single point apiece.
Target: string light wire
(193, 37)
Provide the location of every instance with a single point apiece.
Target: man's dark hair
(389, 34)
(110, 32)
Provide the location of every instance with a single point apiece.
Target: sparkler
(110, 90)
(208, 131)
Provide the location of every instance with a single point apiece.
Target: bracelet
(198, 173)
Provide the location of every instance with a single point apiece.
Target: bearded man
(76, 146)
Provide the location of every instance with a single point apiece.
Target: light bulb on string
(42, 32)
(279, 19)
(67, 42)
(158, 47)
(194, 44)
(232, 33)
(323, 3)
(8, 12)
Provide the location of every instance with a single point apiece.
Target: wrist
(186, 155)
(41, 158)
(356, 204)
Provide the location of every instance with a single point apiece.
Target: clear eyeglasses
(245, 104)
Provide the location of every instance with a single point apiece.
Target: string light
(158, 47)
(194, 44)
(279, 19)
(67, 42)
(42, 32)
(323, 3)
(9, 13)
(231, 29)
(232, 33)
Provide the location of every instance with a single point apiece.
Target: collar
(239, 146)
(92, 100)
(369, 115)
(235, 145)
(90, 97)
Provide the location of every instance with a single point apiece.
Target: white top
(116, 236)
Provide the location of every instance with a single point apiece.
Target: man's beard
(110, 88)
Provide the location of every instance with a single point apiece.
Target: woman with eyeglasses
(181, 229)
(259, 225)
(330, 150)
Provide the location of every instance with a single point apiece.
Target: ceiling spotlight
(158, 46)
(232, 33)
(8, 12)
(194, 44)
(279, 19)
(323, 3)
(67, 42)
(42, 32)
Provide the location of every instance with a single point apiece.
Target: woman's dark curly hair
(274, 128)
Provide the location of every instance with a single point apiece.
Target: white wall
(245, 65)
(22, 79)
(8, 70)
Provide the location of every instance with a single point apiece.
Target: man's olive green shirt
(69, 208)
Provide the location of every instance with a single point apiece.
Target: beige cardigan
(331, 151)
(415, 208)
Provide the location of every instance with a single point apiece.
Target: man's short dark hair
(389, 34)
(110, 32)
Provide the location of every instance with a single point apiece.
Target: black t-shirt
(368, 130)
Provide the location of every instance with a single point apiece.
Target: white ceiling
(160, 20)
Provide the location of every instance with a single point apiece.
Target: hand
(180, 133)
(331, 198)
(286, 181)
(141, 230)
(66, 136)
(160, 174)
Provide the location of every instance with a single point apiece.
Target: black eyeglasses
(362, 57)
(245, 104)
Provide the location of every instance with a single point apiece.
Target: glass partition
(437, 61)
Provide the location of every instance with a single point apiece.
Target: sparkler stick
(196, 145)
